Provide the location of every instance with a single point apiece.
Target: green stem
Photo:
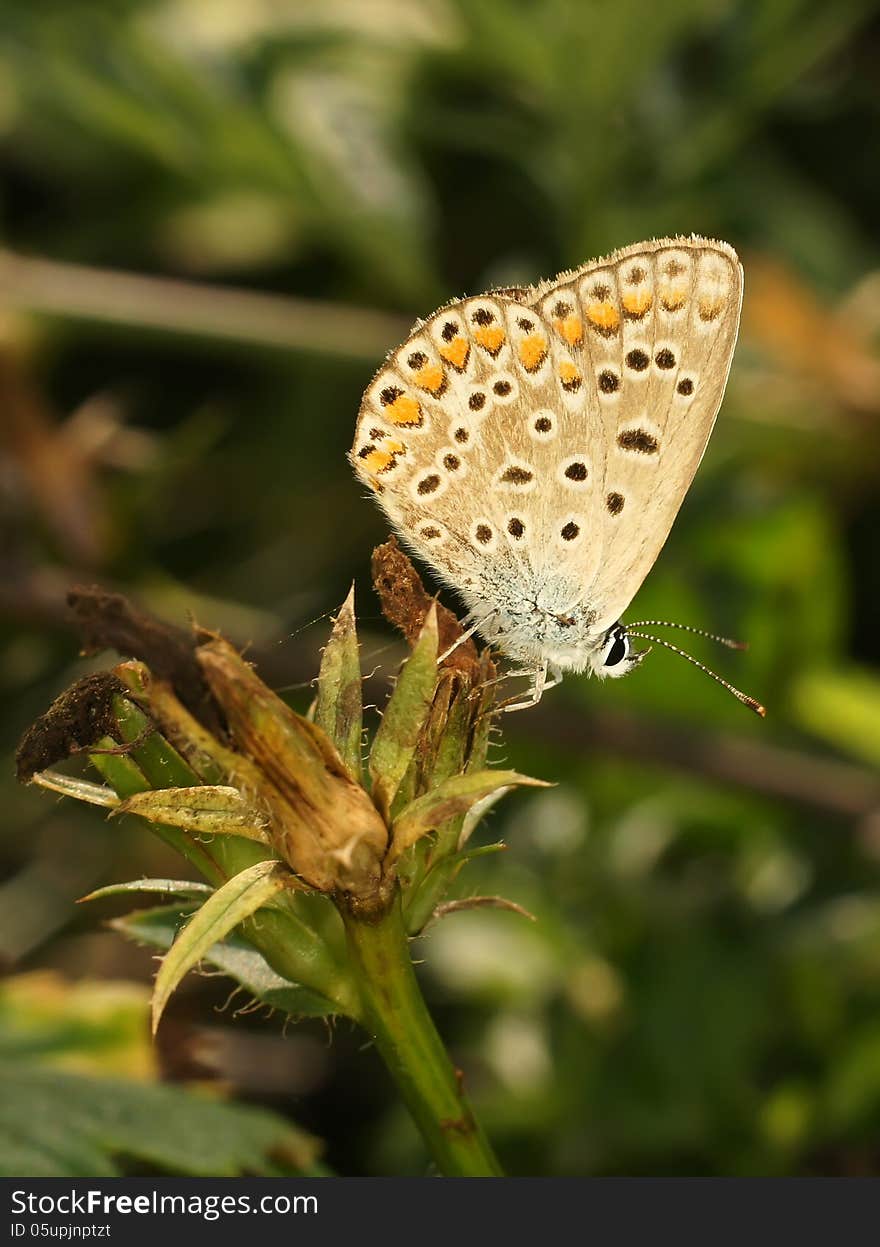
(404, 1033)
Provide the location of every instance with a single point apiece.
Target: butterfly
(534, 445)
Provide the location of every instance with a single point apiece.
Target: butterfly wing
(459, 434)
(511, 439)
(660, 326)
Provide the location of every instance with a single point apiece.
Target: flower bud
(321, 822)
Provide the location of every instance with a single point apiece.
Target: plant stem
(404, 1032)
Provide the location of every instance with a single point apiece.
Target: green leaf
(339, 707)
(211, 809)
(78, 789)
(405, 713)
(454, 796)
(234, 956)
(236, 900)
(78, 1095)
(243, 963)
(59, 1124)
(164, 887)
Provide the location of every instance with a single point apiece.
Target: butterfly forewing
(555, 433)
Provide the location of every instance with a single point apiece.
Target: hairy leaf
(236, 900)
(234, 956)
(211, 809)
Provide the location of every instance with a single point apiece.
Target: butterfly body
(534, 446)
(535, 618)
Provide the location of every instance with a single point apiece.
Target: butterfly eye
(616, 647)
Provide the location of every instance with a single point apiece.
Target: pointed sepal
(405, 714)
(480, 902)
(339, 705)
(455, 796)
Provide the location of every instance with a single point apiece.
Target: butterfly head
(614, 656)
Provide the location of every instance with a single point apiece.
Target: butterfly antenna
(666, 623)
(743, 697)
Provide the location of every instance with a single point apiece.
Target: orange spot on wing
(571, 328)
(710, 306)
(673, 297)
(569, 373)
(430, 378)
(490, 338)
(637, 302)
(533, 351)
(378, 461)
(456, 352)
(604, 317)
(404, 412)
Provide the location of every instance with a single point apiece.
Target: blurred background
(217, 215)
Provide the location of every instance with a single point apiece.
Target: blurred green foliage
(701, 992)
(65, 1114)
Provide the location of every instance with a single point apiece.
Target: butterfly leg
(537, 689)
(555, 678)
